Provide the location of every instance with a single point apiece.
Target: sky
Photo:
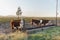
(31, 8)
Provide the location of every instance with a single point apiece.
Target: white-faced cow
(18, 24)
(15, 24)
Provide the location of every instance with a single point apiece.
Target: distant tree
(18, 13)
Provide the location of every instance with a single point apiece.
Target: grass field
(14, 36)
(28, 19)
(52, 33)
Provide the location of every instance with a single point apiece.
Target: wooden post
(56, 11)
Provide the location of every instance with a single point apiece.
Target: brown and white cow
(18, 24)
(15, 24)
(39, 22)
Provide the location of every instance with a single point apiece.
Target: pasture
(52, 33)
(28, 19)
(14, 36)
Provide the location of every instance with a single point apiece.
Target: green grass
(52, 33)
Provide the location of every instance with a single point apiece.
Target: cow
(18, 25)
(35, 21)
(45, 21)
(39, 22)
(15, 24)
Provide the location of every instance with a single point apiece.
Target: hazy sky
(40, 8)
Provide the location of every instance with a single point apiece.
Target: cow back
(35, 21)
(15, 23)
(45, 21)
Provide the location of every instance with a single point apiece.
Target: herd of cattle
(41, 22)
(19, 24)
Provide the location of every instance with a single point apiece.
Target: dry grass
(28, 19)
(56, 38)
(14, 36)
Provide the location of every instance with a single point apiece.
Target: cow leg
(44, 24)
(13, 30)
(32, 23)
(20, 29)
(40, 25)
